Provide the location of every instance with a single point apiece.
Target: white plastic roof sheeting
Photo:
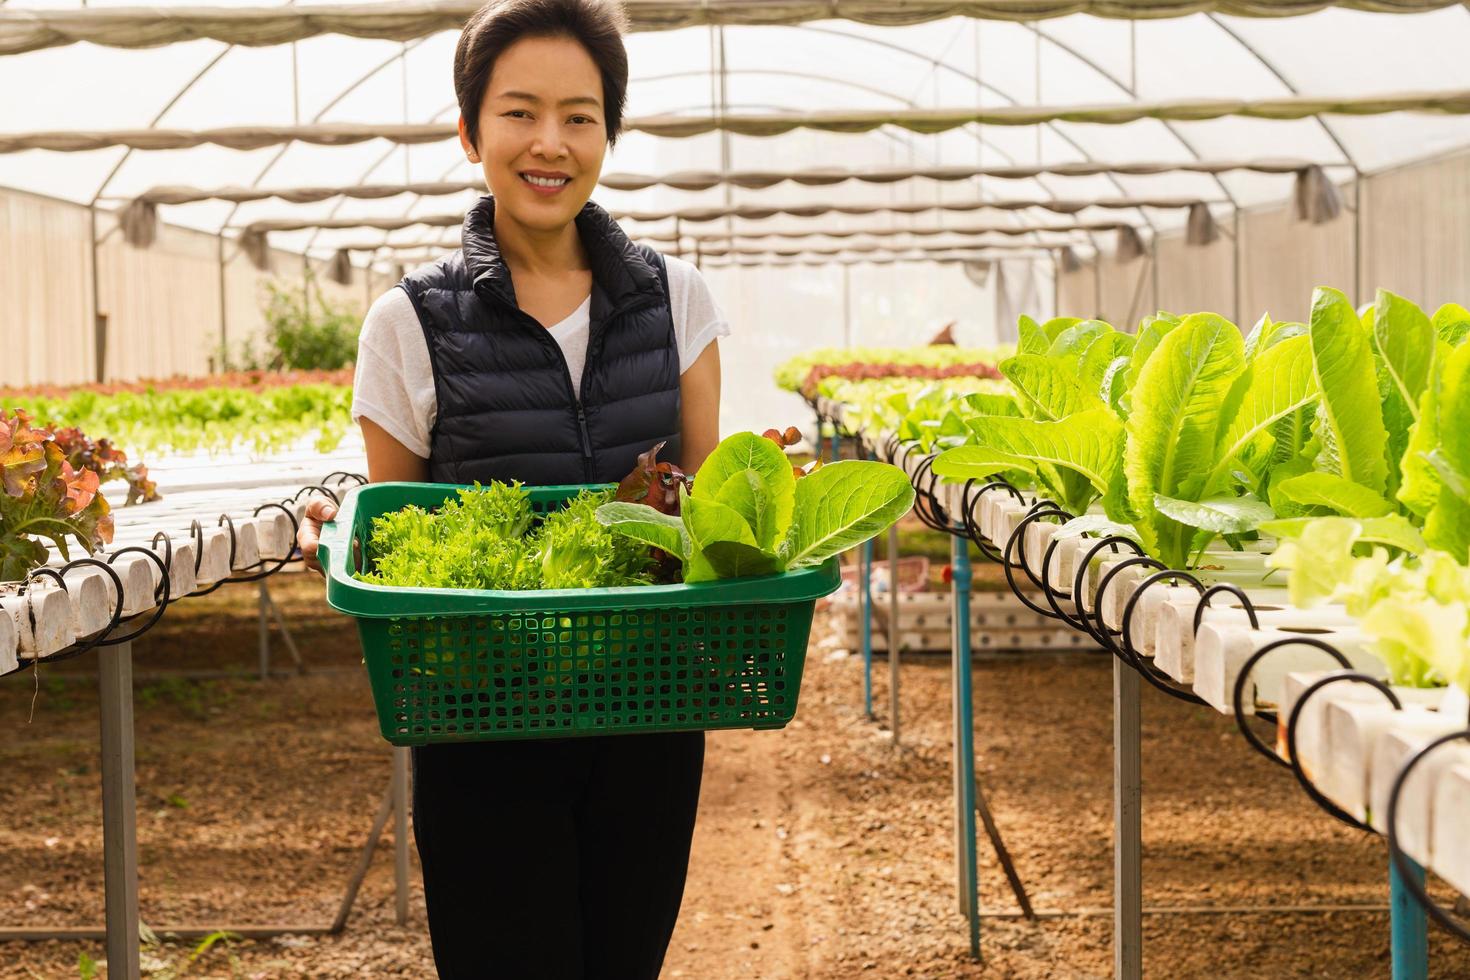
(950, 63)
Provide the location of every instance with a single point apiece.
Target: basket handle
(335, 543)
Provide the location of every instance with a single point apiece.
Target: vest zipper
(586, 439)
(544, 336)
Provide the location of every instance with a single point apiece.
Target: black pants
(555, 860)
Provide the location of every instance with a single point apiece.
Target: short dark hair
(597, 25)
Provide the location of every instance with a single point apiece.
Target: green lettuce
(749, 515)
(1172, 428)
(487, 537)
(1349, 420)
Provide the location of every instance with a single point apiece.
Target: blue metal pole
(1409, 928)
(965, 736)
(836, 444)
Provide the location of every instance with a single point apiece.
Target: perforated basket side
(586, 672)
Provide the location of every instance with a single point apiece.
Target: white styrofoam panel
(1221, 650)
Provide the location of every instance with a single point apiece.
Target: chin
(540, 215)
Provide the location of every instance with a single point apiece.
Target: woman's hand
(388, 461)
(318, 510)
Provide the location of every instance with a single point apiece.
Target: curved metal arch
(444, 174)
(402, 52)
(937, 64)
(979, 83)
(972, 132)
(102, 189)
(908, 142)
(776, 73)
(310, 242)
(834, 80)
(1132, 93)
(1286, 83)
(982, 85)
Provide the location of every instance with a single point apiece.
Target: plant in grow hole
(43, 497)
(748, 514)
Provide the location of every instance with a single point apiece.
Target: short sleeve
(393, 384)
(698, 319)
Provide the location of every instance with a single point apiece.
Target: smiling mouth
(546, 183)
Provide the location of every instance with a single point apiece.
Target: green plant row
(794, 373)
(1347, 438)
(208, 419)
(747, 512)
(1187, 430)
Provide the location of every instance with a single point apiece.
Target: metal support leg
(400, 834)
(964, 741)
(1410, 928)
(263, 630)
(865, 601)
(364, 860)
(893, 631)
(1127, 826)
(119, 811)
(268, 605)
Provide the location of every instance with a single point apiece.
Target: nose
(548, 142)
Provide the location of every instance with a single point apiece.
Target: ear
(464, 142)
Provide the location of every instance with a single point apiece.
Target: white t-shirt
(394, 381)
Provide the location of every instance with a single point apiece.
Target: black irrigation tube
(968, 504)
(1101, 634)
(1132, 657)
(1017, 542)
(1225, 588)
(1237, 698)
(926, 505)
(1140, 560)
(1292, 757)
(1052, 592)
(1407, 873)
(162, 598)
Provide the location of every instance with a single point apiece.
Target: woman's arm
(699, 397)
(388, 462)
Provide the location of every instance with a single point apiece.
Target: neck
(539, 252)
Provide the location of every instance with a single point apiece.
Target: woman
(552, 350)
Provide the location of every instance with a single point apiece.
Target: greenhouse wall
(1415, 241)
(1282, 259)
(162, 303)
(1190, 276)
(163, 308)
(45, 300)
(1418, 244)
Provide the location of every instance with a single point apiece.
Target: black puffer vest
(507, 409)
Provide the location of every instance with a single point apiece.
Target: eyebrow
(574, 100)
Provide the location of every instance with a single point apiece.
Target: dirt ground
(822, 851)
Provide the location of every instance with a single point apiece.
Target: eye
(517, 114)
(583, 120)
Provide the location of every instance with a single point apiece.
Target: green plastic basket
(461, 665)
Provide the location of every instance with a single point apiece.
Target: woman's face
(543, 134)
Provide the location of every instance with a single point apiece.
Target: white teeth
(545, 181)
